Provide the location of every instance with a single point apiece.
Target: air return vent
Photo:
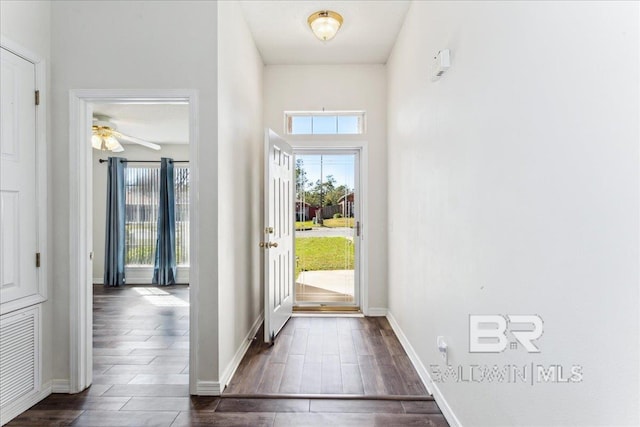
(18, 354)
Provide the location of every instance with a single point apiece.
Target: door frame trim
(362, 148)
(80, 224)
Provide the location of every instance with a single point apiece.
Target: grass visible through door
(324, 253)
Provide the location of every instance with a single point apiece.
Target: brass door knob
(261, 244)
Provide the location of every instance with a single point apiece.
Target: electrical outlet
(440, 63)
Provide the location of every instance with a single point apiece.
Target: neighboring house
(306, 211)
(346, 203)
(303, 211)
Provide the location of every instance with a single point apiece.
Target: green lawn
(338, 222)
(303, 225)
(324, 253)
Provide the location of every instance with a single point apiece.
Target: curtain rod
(143, 161)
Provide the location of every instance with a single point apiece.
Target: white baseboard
(208, 388)
(376, 312)
(61, 386)
(20, 405)
(432, 387)
(237, 358)
(215, 388)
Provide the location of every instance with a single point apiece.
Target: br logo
(488, 333)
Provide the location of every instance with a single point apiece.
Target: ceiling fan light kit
(325, 24)
(101, 140)
(104, 136)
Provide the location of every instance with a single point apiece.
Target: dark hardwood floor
(141, 373)
(141, 338)
(329, 355)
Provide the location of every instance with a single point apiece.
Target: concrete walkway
(340, 281)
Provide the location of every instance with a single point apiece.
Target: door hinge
(37, 97)
(358, 228)
(37, 259)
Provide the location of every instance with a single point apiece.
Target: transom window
(324, 122)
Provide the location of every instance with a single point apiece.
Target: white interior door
(278, 238)
(18, 213)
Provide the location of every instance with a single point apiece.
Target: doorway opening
(327, 230)
(140, 331)
(173, 316)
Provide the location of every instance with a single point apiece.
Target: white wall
(343, 87)
(28, 23)
(139, 45)
(517, 176)
(132, 152)
(240, 165)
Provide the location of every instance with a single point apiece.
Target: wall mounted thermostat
(441, 63)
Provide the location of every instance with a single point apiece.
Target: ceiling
(367, 36)
(158, 123)
(282, 35)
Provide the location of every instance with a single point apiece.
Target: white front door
(278, 234)
(18, 213)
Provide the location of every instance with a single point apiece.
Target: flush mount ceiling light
(325, 24)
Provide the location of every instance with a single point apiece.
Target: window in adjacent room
(141, 218)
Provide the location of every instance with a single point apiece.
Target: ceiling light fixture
(325, 24)
(105, 136)
(102, 139)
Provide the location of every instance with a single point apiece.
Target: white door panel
(18, 213)
(278, 242)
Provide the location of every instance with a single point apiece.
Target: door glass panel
(325, 241)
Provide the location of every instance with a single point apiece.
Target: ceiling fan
(105, 137)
